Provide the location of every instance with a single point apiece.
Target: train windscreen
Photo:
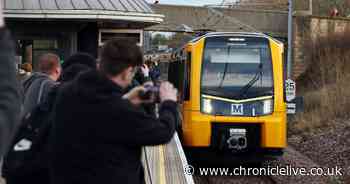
(237, 67)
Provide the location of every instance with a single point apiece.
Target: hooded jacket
(97, 136)
(71, 72)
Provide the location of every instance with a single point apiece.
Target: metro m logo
(237, 109)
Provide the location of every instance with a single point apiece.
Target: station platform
(165, 164)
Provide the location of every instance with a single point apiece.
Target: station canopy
(97, 10)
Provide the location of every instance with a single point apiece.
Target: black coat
(10, 97)
(97, 136)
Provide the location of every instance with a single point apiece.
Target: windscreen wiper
(225, 70)
(223, 76)
(258, 75)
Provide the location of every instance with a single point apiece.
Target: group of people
(98, 122)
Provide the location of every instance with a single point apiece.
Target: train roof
(214, 34)
(245, 34)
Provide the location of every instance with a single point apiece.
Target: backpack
(29, 150)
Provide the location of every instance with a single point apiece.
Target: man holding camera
(99, 130)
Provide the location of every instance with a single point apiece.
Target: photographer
(99, 130)
(10, 98)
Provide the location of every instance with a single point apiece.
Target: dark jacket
(10, 98)
(31, 89)
(97, 136)
(155, 73)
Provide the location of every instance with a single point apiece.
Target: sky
(188, 2)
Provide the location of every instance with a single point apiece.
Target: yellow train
(231, 94)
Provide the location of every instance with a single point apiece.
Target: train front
(240, 96)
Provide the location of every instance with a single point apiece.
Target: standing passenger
(155, 71)
(37, 86)
(35, 169)
(36, 91)
(99, 130)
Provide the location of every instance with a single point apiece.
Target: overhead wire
(220, 15)
(213, 9)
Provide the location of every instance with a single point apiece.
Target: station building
(67, 26)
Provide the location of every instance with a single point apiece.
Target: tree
(159, 39)
(324, 7)
(179, 39)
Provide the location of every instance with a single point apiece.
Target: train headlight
(268, 106)
(207, 106)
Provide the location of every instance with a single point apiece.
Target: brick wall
(307, 29)
(301, 36)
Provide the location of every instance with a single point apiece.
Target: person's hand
(134, 95)
(145, 70)
(2, 22)
(167, 92)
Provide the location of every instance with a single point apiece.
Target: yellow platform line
(162, 178)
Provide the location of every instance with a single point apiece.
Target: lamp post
(310, 7)
(290, 40)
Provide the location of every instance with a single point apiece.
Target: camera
(150, 91)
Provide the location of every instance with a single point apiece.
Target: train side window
(176, 75)
(187, 73)
(181, 78)
(172, 74)
(179, 75)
